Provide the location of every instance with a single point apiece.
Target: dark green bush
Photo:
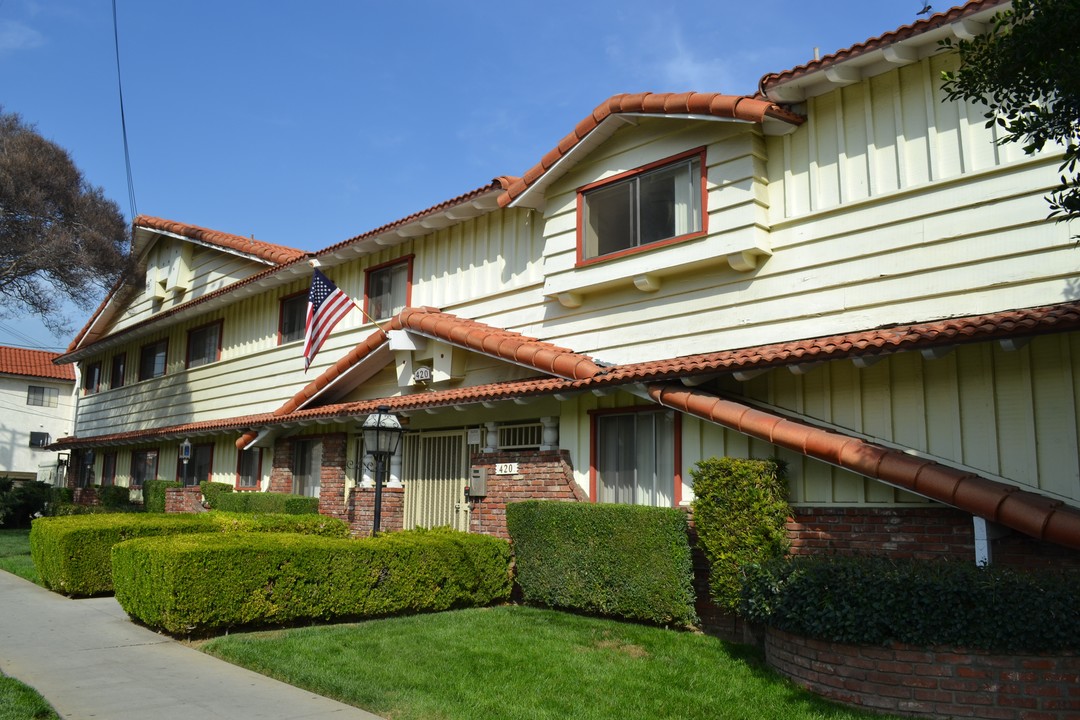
(740, 512)
(876, 601)
(197, 583)
(259, 502)
(154, 494)
(72, 553)
(213, 492)
(21, 501)
(61, 495)
(620, 560)
(114, 497)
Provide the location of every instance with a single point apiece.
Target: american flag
(326, 306)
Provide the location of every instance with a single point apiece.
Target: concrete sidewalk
(90, 661)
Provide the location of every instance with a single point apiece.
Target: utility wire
(123, 121)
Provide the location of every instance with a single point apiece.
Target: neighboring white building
(37, 402)
(841, 268)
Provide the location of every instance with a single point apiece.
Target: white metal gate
(435, 471)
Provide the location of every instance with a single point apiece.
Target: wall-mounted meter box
(478, 482)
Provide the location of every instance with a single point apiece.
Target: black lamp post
(382, 435)
(185, 457)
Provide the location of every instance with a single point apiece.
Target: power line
(123, 120)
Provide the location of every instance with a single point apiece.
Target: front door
(435, 471)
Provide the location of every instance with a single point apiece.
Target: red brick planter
(935, 683)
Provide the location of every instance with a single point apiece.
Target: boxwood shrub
(877, 601)
(154, 494)
(620, 560)
(740, 512)
(193, 584)
(221, 497)
(72, 553)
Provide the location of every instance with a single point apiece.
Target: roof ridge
(737, 107)
(270, 252)
(888, 38)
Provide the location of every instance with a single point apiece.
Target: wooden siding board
(1014, 411)
(1053, 389)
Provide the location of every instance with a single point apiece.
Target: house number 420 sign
(506, 468)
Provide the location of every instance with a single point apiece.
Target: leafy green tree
(61, 239)
(1026, 70)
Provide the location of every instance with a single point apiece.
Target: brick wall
(85, 496)
(922, 533)
(184, 499)
(542, 475)
(332, 476)
(281, 475)
(361, 512)
(939, 683)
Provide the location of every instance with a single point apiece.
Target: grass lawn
(525, 663)
(19, 702)
(15, 554)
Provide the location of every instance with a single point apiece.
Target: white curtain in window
(688, 199)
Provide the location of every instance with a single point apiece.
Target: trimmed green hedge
(877, 601)
(72, 553)
(154, 494)
(621, 560)
(221, 497)
(740, 512)
(186, 584)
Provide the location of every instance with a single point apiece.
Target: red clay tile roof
(277, 254)
(917, 336)
(502, 344)
(689, 103)
(433, 210)
(902, 33)
(1027, 512)
(34, 363)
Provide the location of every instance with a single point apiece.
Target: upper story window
(204, 344)
(118, 371)
(661, 201)
(293, 318)
(387, 289)
(42, 396)
(152, 359)
(92, 378)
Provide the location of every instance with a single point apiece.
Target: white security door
(435, 472)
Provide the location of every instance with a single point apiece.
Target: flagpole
(314, 262)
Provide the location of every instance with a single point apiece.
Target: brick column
(361, 511)
(545, 475)
(281, 475)
(332, 476)
(184, 500)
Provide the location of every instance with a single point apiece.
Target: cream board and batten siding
(1011, 415)
(493, 256)
(209, 270)
(223, 468)
(888, 205)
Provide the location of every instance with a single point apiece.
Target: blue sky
(306, 123)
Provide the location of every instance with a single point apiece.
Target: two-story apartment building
(38, 403)
(840, 268)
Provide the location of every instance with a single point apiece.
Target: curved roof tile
(1024, 511)
(894, 36)
(34, 363)
(277, 254)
